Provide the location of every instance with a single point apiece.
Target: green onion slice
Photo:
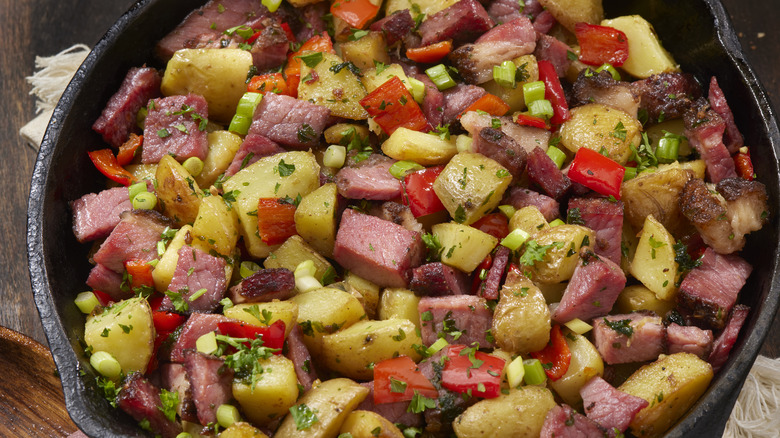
(439, 76)
(400, 169)
(556, 155)
(534, 372)
(504, 74)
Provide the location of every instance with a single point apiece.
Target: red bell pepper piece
(470, 370)
(103, 298)
(477, 283)
(268, 83)
(128, 149)
(393, 107)
(420, 197)
(288, 32)
(357, 13)
(275, 220)
(409, 379)
(744, 165)
(489, 103)
(553, 91)
(495, 224)
(597, 172)
(555, 357)
(272, 335)
(601, 44)
(431, 53)
(317, 43)
(532, 121)
(105, 161)
(167, 322)
(140, 273)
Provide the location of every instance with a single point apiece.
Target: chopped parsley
(285, 169)
(397, 386)
(420, 403)
(622, 326)
(303, 416)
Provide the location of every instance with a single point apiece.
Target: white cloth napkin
(755, 414)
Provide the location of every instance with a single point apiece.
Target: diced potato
(372, 79)
(656, 194)
(416, 7)
(646, 55)
(671, 385)
(295, 251)
(420, 147)
(142, 171)
(215, 227)
(242, 430)
(262, 179)
(219, 75)
(471, 185)
(571, 12)
(324, 311)
(368, 290)
(519, 414)
(274, 392)
(698, 167)
(364, 51)
(521, 305)
(602, 128)
(333, 85)
(561, 257)
(315, 218)
(399, 303)
(464, 247)
(514, 96)
(528, 219)
(177, 192)
(638, 297)
(223, 146)
(353, 350)
(585, 363)
(265, 314)
(163, 272)
(332, 400)
(653, 263)
(335, 134)
(367, 424)
(125, 330)
(628, 243)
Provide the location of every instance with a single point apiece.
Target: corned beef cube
(728, 337)
(437, 279)
(564, 422)
(710, 290)
(461, 319)
(543, 172)
(633, 337)
(105, 280)
(494, 143)
(395, 26)
(253, 148)
(490, 287)
(519, 197)
(461, 22)
(299, 354)
(118, 118)
(134, 238)
(377, 250)
(176, 125)
(605, 218)
(609, 407)
(369, 179)
(141, 399)
(592, 290)
(263, 286)
(210, 384)
(688, 339)
(96, 214)
(291, 122)
(704, 128)
(197, 325)
(200, 279)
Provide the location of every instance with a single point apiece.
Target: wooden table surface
(45, 27)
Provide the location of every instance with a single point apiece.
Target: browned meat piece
(688, 339)
(117, 120)
(549, 48)
(564, 422)
(96, 214)
(710, 290)
(592, 290)
(728, 337)
(290, 122)
(601, 88)
(174, 379)
(395, 26)
(605, 218)
(527, 137)
(519, 197)
(438, 421)
(398, 214)
(461, 22)
(489, 289)
(543, 172)
(704, 129)
(369, 179)
(105, 280)
(200, 279)
(141, 399)
(268, 49)
(437, 279)
(263, 286)
(396, 412)
(495, 144)
(134, 238)
(732, 138)
(253, 148)
(299, 354)
(609, 407)
(210, 384)
(633, 337)
(666, 96)
(746, 205)
(176, 125)
(462, 319)
(197, 325)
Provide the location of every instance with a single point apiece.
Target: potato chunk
(646, 55)
(518, 414)
(602, 129)
(124, 330)
(653, 262)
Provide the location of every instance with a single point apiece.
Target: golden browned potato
(514, 96)
(562, 245)
(336, 133)
(656, 193)
(223, 146)
(330, 403)
(463, 247)
(571, 12)
(638, 297)
(353, 350)
(518, 414)
(471, 185)
(367, 424)
(671, 385)
(521, 304)
(219, 75)
(163, 272)
(177, 192)
(242, 430)
(315, 219)
(333, 85)
(215, 227)
(646, 55)
(603, 129)
(528, 219)
(585, 363)
(364, 51)
(124, 330)
(295, 251)
(274, 392)
(420, 147)
(399, 303)
(653, 262)
(324, 311)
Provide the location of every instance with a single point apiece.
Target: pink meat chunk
(645, 343)
(564, 422)
(141, 399)
(732, 138)
(728, 337)
(489, 289)
(377, 250)
(611, 408)
(592, 290)
(176, 125)
(134, 238)
(290, 122)
(710, 290)
(263, 286)
(688, 339)
(210, 383)
(543, 172)
(519, 197)
(369, 179)
(396, 412)
(197, 325)
(437, 279)
(200, 279)
(704, 128)
(605, 218)
(461, 22)
(253, 148)
(117, 120)
(549, 48)
(105, 280)
(96, 214)
(461, 319)
(299, 354)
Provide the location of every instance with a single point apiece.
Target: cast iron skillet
(697, 32)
